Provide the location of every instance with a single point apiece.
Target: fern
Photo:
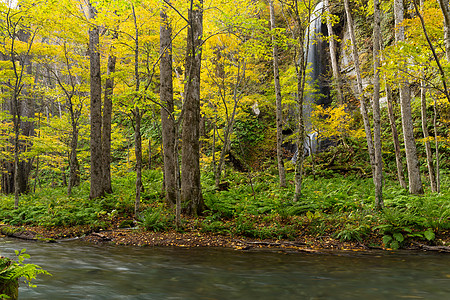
(13, 270)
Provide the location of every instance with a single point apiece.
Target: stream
(86, 271)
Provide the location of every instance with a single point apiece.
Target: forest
(319, 123)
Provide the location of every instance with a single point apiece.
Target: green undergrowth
(254, 206)
(337, 206)
(52, 207)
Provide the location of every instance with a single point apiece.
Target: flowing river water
(86, 271)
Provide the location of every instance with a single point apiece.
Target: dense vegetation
(58, 170)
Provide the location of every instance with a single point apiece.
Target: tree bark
(138, 154)
(334, 64)
(137, 119)
(106, 124)
(278, 99)
(426, 135)
(436, 145)
(360, 92)
(167, 109)
(97, 189)
(300, 63)
(74, 173)
(412, 161)
(378, 176)
(191, 193)
(443, 4)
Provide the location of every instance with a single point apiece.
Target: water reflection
(83, 271)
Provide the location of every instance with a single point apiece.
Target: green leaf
(394, 245)
(429, 235)
(398, 237)
(386, 239)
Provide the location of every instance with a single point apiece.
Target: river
(86, 271)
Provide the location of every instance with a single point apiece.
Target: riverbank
(333, 213)
(195, 239)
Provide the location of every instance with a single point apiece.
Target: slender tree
(443, 4)
(426, 135)
(360, 91)
(279, 106)
(301, 17)
(137, 115)
(333, 57)
(19, 102)
(167, 110)
(412, 161)
(378, 176)
(398, 157)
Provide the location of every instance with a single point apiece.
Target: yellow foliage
(333, 122)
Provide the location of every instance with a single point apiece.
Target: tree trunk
(106, 124)
(426, 135)
(15, 179)
(360, 92)
(279, 107)
(191, 193)
(333, 56)
(436, 145)
(138, 154)
(412, 161)
(74, 173)
(398, 158)
(300, 68)
(137, 118)
(167, 109)
(378, 176)
(446, 12)
(97, 187)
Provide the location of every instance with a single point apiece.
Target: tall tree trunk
(97, 189)
(138, 154)
(167, 109)
(191, 193)
(412, 161)
(360, 91)
(300, 68)
(426, 135)
(436, 145)
(446, 12)
(16, 124)
(137, 118)
(279, 106)
(378, 176)
(106, 123)
(334, 64)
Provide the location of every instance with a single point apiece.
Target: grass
(337, 206)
